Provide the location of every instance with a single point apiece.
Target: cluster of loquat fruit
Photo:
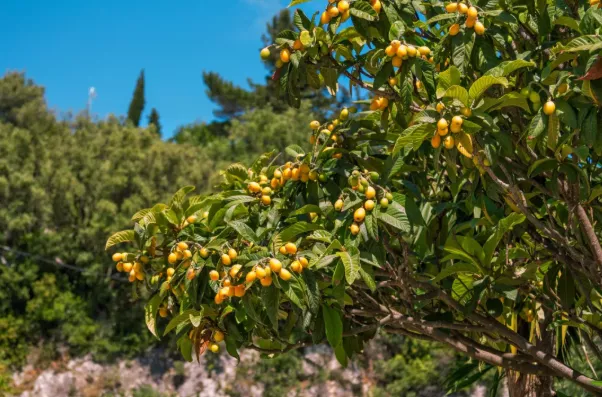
(471, 21)
(444, 127)
(128, 263)
(334, 11)
(398, 52)
(262, 271)
(320, 134)
(361, 182)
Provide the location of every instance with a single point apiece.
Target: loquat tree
(452, 206)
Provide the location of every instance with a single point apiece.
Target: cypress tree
(138, 101)
(153, 118)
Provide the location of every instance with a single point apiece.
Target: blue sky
(71, 45)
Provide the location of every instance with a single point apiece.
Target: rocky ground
(156, 375)
(83, 377)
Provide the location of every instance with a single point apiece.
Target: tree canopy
(460, 204)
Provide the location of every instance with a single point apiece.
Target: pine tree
(138, 101)
(153, 118)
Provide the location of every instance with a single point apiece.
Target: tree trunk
(524, 385)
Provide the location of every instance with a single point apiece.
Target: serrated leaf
(244, 231)
(507, 67)
(351, 262)
(413, 137)
(178, 197)
(459, 93)
(588, 43)
(368, 279)
(447, 78)
(363, 10)
(140, 214)
(120, 237)
(483, 83)
(394, 216)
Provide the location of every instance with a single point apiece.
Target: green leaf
(293, 292)
(363, 10)
(302, 22)
(244, 231)
(341, 355)
(298, 228)
(461, 287)
(368, 278)
(296, 2)
(536, 127)
(141, 214)
(553, 131)
(294, 151)
(371, 223)
(568, 22)
(459, 93)
(394, 216)
(178, 198)
(236, 172)
(271, 301)
(231, 346)
(334, 325)
(397, 30)
(413, 137)
(566, 290)
(150, 313)
(313, 291)
(510, 99)
(383, 75)
(447, 78)
(460, 267)
(441, 17)
(351, 261)
(453, 245)
(120, 237)
(503, 226)
(179, 319)
(588, 43)
(542, 165)
(507, 67)
(483, 83)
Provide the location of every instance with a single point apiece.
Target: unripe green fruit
(353, 181)
(525, 91)
(384, 202)
(265, 53)
(374, 176)
(534, 97)
(389, 196)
